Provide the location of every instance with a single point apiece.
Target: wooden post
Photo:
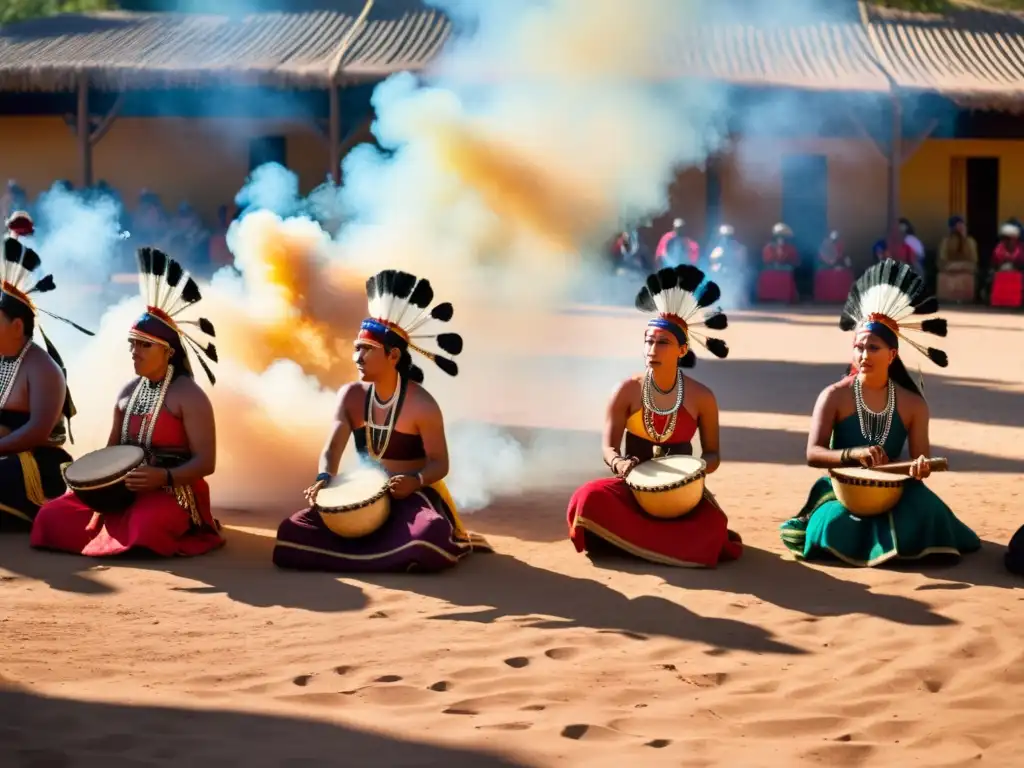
(895, 163)
(334, 133)
(82, 130)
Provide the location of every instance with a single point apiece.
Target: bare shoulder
(837, 393)
(189, 392)
(700, 392)
(41, 365)
(912, 401)
(630, 388)
(421, 401)
(352, 394)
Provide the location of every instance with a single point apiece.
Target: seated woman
(165, 412)
(867, 419)
(659, 412)
(34, 398)
(397, 425)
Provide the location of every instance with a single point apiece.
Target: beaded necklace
(874, 425)
(650, 409)
(146, 401)
(9, 368)
(378, 436)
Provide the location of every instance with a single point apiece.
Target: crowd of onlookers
(200, 246)
(782, 271)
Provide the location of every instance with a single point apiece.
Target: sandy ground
(536, 655)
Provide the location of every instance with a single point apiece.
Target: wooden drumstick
(903, 467)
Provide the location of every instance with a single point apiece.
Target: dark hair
(179, 359)
(406, 368)
(16, 310)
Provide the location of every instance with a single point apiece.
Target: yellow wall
(925, 182)
(202, 161)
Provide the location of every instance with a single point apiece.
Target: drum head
(105, 463)
(352, 488)
(866, 475)
(665, 471)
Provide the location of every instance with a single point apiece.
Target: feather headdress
(168, 289)
(883, 301)
(16, 273)
(675, 295)
(400, 315)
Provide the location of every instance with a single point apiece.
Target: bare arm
(917, 440)
(435, 445)
(819, 454)
(707, 421)
(615, 422)
(201, 432)
(341, 430)
(46, 392)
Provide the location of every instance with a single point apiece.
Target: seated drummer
(660, 411)
(34, 398)
(396, 424)
(167, 414)
(867, 419)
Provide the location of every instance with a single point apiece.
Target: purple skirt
(417, 536)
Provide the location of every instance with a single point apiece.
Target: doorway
(805, 210)
(982, 211)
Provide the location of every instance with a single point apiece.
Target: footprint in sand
(521, 726)
(658, 743)
(517, 662)
(388, 679)
(343, 670)
(534, 708)
(562, 654)
(596, 732)
(441, 686)
(303, 680)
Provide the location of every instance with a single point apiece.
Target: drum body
(867, 492)
(668, 486)
(97, 478)
(356, 503)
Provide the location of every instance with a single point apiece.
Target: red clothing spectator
(675, 248)
(1008, 252)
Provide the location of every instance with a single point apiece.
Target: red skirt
(156, 522)
(606, 508)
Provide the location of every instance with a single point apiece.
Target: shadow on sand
(40, 731)
(242, 570)
(495, 586)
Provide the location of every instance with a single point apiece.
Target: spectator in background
(958, 251)
(190, 239)
(13, 199)
(676, 248)
(914, 245)
(218, 253)
(831, 254)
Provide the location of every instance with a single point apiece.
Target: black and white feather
(892, 289)
(170, 289)
(683, 292)
(19, 262)
(404, 301)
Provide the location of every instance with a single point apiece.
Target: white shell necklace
(874, 425)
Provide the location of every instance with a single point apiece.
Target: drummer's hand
(402, 486)
(622, 466)
(920, 469)
(871, 456)
(146, 478)
(311, 492)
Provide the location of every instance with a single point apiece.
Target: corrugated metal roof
(120, 50)
(819, 57)
(971, 55)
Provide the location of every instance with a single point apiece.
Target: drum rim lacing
(650, 409)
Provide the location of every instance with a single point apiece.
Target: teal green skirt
(919, 525)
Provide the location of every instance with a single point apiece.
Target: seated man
(396, 424)
(957, 263)
(34, 398)
(660, 412)
(165, 412)
(780, 253)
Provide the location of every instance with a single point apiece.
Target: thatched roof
(826, 56)
(973, 56)
(122, 50)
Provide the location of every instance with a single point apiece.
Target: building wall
(202, 161)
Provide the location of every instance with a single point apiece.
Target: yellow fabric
(33, 482)
(635, 425)
(446, 496)
(968, 258)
